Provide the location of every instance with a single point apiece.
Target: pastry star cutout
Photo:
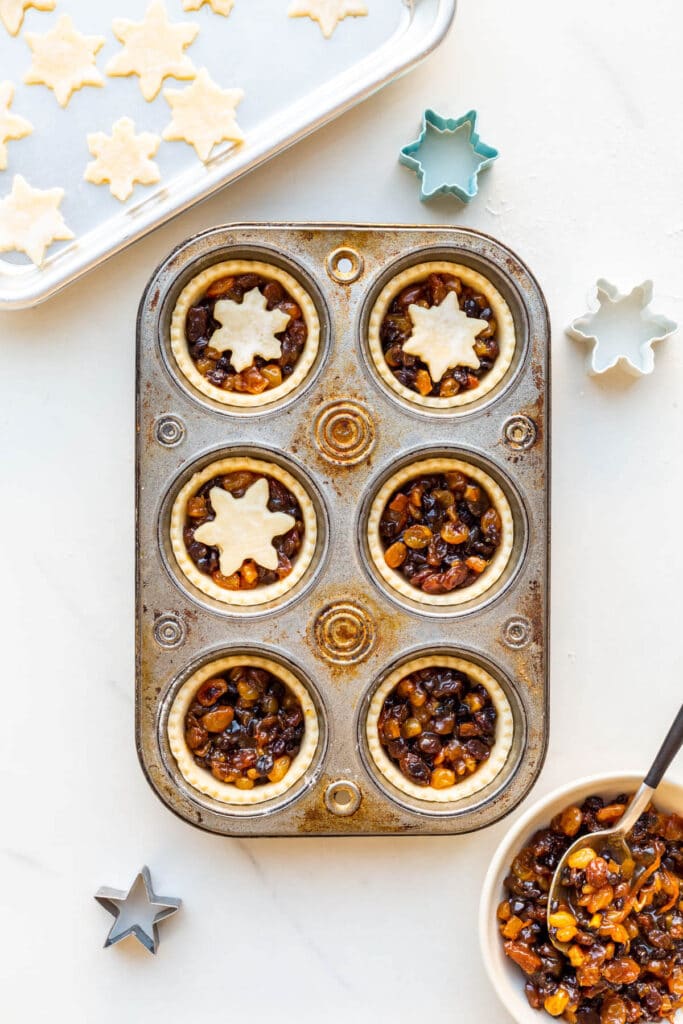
(217, 6)
(328, 13)
(12, 12)
(64, 59)
(136, 912)
(248, 329)
(11, 125)
(30, 220)
(203, 115)
(122, 158)
(244, 527)
(622, 330)
(443, 336)
(153, 49)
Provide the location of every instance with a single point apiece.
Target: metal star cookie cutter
(127, 911)
(448, 156)
(622, 330)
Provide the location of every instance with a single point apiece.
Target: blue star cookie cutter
(448, 156)
(622, 331)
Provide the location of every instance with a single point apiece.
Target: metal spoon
(612, 841)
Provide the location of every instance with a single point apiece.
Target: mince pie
(440, 335)
(245, 333)
(440, 531)
(243, 729)
(439, 728)
(243, 531)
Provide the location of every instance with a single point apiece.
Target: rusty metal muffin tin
(343, 433)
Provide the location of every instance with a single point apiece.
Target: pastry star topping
(244, 527)
(153, 49)
(248, 329)
(30, 219)
(328, 13)
(11, 125)
(122, 158)
(217, 6)
(203, 115)
(12, 12)
(64, 59)
(443, 336)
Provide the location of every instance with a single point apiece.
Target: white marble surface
(583, 100)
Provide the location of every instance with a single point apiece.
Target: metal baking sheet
(507, 432)
(317, 79)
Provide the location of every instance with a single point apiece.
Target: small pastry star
(443, 336)
(328, 13)
(12, 12)
(244, 527)
(622, 330)
(30, 220)
(11, 125)
(153, 49)
(248, 329)
(203, 115)
(136, 912)
(122, 158)
(217, 6)
(64, 59)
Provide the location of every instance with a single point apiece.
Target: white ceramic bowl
(506, 977)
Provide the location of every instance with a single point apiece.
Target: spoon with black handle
(611, 843)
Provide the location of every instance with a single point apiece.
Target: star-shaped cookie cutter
(158, 909)
(448, 156)
(622, 331)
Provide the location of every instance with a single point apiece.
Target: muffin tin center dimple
(342, 433)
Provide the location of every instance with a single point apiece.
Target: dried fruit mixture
(623, 927)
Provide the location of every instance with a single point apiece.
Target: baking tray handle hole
(343, 798)
(345, 265)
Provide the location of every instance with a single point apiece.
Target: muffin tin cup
(287, 792)
(312, 554)
(342, 434)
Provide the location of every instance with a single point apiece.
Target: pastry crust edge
(194, 290)
(201, 779)
(506, 335)
(494, 569)
(261, 594)
(484, 775)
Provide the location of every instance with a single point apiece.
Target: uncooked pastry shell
(505, 334)
(496, 566)
(260, 594)
(195, 290)
(201, 779)
(485, 774)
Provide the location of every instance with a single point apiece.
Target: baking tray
(313, 83)
(508, 431)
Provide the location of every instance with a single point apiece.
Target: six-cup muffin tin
(343, 629)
